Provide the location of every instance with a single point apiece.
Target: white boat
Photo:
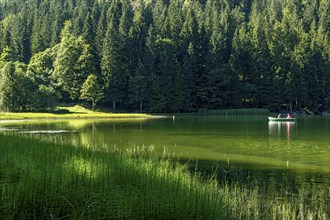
(281, 119)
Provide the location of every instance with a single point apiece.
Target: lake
(286, 157)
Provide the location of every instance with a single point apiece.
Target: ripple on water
(47, 132)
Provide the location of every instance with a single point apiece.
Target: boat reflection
(280, 129)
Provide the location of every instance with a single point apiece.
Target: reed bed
(42, 180)
(239, 112)
(251, 203)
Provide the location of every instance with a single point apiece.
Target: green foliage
(72, 63)
(44, 98)
(16, 88)
(41, 66)
(6, 56)
(91, 90)
(278, 50)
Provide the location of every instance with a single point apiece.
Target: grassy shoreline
(80, 112)
(42, 180)
(25, 116)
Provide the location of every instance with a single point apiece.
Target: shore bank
(76, 112)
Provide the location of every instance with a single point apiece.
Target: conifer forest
(165, 55)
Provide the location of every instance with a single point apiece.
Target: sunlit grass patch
(81, 166)
(75, 112)
(68, 182)
(42, 180)
(75, 109)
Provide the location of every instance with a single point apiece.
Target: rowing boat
(281, 119)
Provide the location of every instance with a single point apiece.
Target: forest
(165, 55)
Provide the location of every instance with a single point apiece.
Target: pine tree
(138, 58)
(101, 31)
(190, 70)
(20, 37)
(111, 58)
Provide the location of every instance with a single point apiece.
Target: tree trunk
(93, 105)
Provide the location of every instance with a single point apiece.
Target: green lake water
(287, 157)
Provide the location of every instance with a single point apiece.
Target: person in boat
(288, 116)
(279, 115)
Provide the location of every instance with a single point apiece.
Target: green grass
(75, 109)
(74, 112)
(42, 180)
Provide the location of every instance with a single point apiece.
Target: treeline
(165, 55)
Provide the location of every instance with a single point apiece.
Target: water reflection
(300, 145)
(280, 129)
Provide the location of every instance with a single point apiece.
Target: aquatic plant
(45, 180)
(239, 112)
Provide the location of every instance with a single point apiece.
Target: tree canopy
(166, 55)
(91, 90)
